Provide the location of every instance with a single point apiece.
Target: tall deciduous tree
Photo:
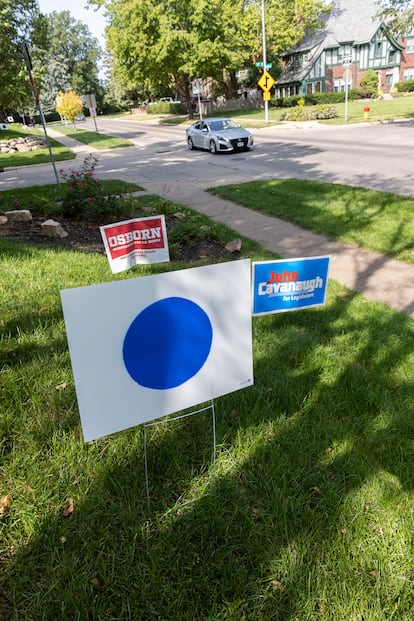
(72, 58)
(19, 20)
(173, 42)
(399, 16)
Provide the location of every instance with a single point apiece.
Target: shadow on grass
(331, 409)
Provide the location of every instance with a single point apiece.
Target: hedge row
(405, 87)
(164, 107)
(316, 98)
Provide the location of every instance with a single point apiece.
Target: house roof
(349, 21)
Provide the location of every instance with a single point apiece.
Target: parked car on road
(80, 117)
(218, 135)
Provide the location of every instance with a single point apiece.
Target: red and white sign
(142, 240)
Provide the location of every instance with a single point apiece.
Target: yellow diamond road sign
(266, 82)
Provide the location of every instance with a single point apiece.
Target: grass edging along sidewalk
(59, 151)
(92, 138)
(40, 156)
(371, 219)
(309, 511)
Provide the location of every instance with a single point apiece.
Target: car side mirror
(204, 129)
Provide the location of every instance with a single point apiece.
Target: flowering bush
(84, 196)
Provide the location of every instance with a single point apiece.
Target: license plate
(240, 143)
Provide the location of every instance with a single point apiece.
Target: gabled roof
(352, 22)
(349, 21)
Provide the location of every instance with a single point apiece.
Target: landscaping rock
(30, 143)
(234, 245)
(53, 229)
(3, 219)
(19, 215)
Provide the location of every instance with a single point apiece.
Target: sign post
(90, 102)
(28, 62)
(346, 63)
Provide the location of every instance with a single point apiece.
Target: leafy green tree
(399, 16)
(72, 57)
(20, 20)
(170, 43)
(56, 79)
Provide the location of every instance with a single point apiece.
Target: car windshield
(220, 125)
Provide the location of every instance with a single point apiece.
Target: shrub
(322, 111)
(369, 83)
(314, 99)
(165, 107)
(84, 196)
(405, 87)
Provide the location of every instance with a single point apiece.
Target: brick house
(352, 35)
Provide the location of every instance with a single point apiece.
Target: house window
(408, 74)
(391, 57)
(389, 79)
(339, 85)
(378, 49)
(409, 46)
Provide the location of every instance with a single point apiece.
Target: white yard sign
(146, 347)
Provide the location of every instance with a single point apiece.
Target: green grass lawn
(376, 220)
(42, 156)
(92, 138)
(307, 514)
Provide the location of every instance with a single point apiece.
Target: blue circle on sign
(167, 343)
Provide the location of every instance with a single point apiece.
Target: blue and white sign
(146, 347)
(289, 284)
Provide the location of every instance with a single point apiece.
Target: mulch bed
(86, 237)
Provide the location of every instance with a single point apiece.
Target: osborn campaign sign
(290, 284)
(142, 240)
(146, 347)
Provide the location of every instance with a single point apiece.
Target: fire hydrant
(366, 111)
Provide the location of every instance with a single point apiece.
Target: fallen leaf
(344, 531)
(69, 508)
(278, 585)
(373, 573)
(63, 539)
(366, 507)
(97, 583)
(255, 512)
(234, 413)
(4, 504)
(61, 386)
(321, 608)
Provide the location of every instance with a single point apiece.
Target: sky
(93, 19)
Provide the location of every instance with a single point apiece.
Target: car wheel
(213, 147)
(190, 143)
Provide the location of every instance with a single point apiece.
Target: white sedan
(218, 135)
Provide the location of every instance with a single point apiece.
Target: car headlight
(223, 138)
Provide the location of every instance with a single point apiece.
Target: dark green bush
(369, 83)
(405, 87)
(164, 107)
(314, 99)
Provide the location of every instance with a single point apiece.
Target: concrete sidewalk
(375, 276)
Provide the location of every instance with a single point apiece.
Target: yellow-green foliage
(69, 105)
